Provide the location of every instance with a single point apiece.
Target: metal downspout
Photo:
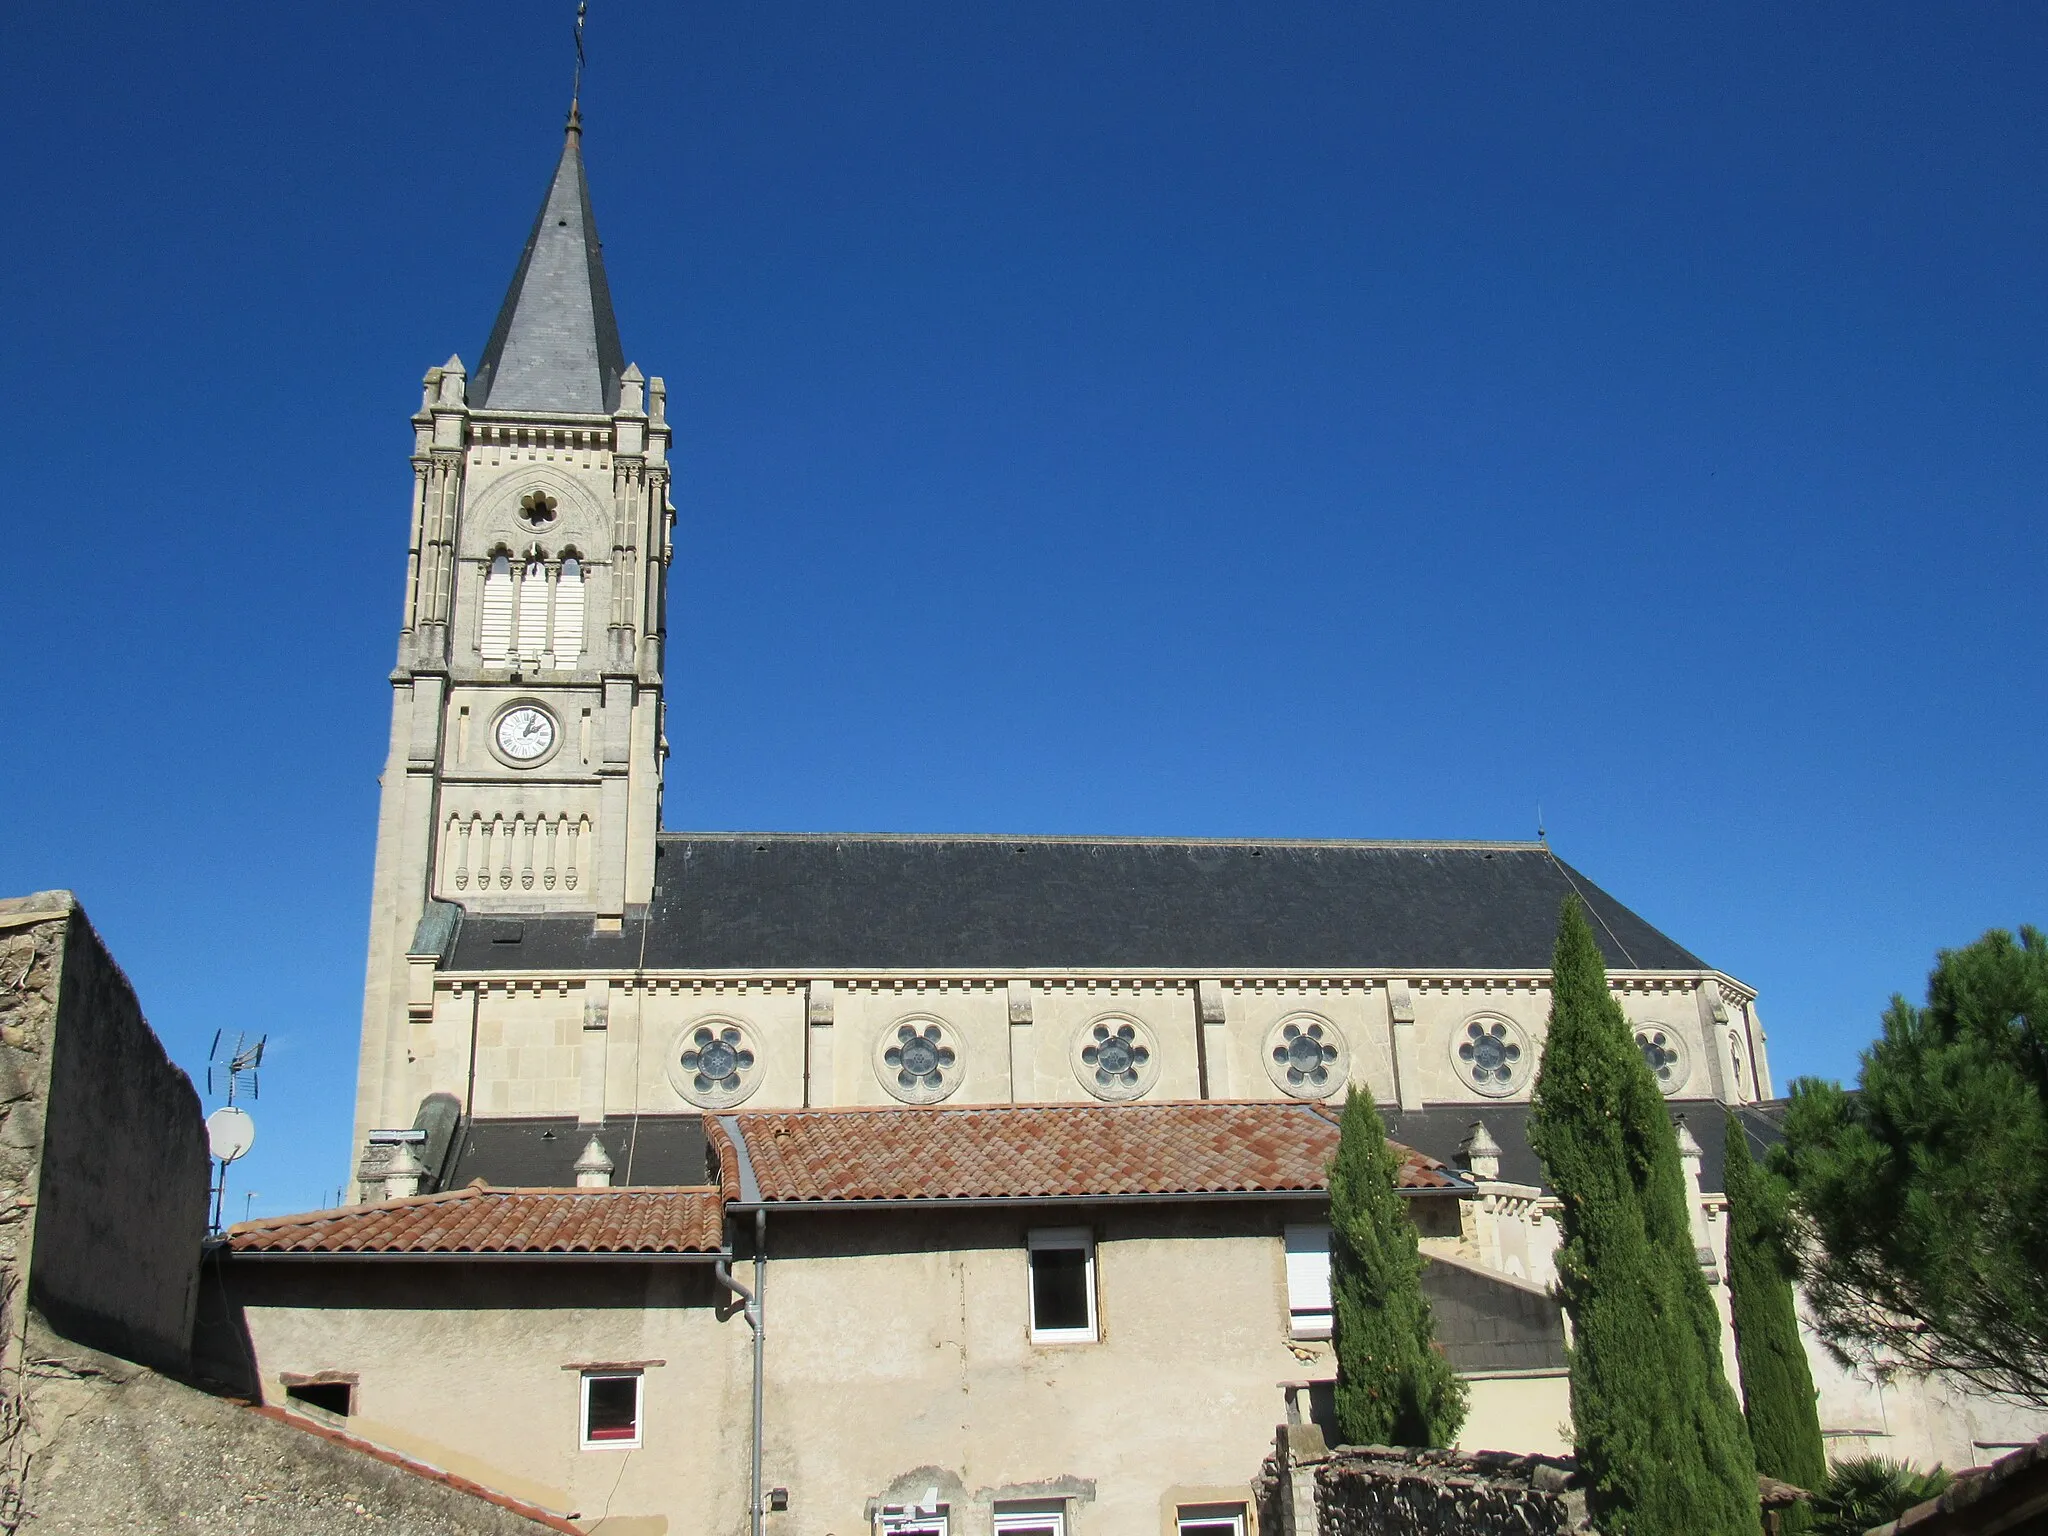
(751, 1309)
(750, 1192)
(760, 1342)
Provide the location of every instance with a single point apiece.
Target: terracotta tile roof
(482, 1220)
(1017, 1152)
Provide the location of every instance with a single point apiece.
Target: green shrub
(1863, 1491)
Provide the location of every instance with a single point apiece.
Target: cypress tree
(1659, 1434)
(1394, 1386)
(1777, 1386)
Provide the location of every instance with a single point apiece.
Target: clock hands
(525, 733)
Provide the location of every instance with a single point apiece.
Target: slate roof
(788, 901)
(1439, 1129)
(541, 1151)
(479, 1220)
(1036, 1152)
(555, 346)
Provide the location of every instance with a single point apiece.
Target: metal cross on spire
(576, 91)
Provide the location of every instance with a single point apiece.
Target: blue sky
(1320, 420)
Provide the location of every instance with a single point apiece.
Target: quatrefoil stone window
(1116, 1057)
(1666, 1055)
(1491, 1055)
(1307, 1057)
(919, 1059)
(716, 1063)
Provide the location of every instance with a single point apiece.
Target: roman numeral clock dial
(526, 733)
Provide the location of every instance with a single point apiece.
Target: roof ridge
(341, 1212)
(1119, 839)
(605, 1189)
(471, 1190)
(1313, 1106)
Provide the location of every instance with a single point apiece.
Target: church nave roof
(798, 901)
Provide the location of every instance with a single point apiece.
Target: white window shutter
(1308, 1277)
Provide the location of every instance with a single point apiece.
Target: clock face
(525, 733)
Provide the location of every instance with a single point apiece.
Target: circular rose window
(1307, 1056)
(1116, 1057)
(715, 1063)
(919, 1060)
(1665, 1053)
(1492, 1055)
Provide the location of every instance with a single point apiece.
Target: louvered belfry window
(533, 610)
(495, 637)
(568, 628)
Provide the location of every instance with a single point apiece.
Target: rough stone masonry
(103, 1194)
(1305, 1489)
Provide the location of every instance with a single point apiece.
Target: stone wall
(1306, 1490)
(103, 1162)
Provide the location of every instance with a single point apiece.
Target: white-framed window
(1210, 1520)
(895, 1520)
(1031, 1517)
(611, 1410)
(1062, 1285)
(1308, 1280)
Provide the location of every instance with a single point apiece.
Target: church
(890, 1183)
(544, 952)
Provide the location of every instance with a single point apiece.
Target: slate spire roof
(556, 344)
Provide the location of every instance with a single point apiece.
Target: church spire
(556, 344)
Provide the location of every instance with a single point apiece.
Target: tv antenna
(230, 1131)
(237, 1066)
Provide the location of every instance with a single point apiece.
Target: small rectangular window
(1062, 1285)
(897, 1521)
(328, 1396)
(611, 1410)
(1033, 1517)
(1308, 1281)
(1210, 1520)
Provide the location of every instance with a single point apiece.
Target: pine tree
(1926, 1190)
(1394, 1386)
(1659, 1434)
(1777, 1386)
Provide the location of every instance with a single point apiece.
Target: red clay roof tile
(482, 1220)
(1042, 1152)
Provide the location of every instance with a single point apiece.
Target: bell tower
(524, 772)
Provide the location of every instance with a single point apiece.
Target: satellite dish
(230, 1133)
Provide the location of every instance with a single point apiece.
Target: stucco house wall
(476, 1368)
(902, 1360)
(899, 1361)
